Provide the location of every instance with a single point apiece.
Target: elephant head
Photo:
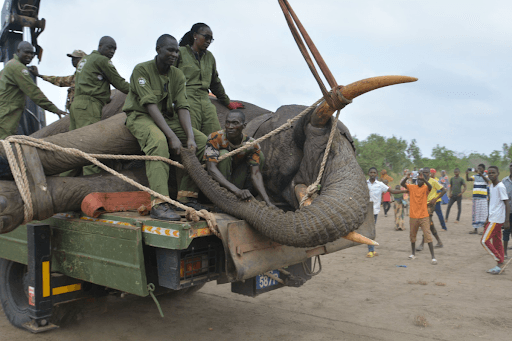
(293, 158)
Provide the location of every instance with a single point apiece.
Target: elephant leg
(66, 193)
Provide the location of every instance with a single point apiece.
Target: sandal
(370, 254)
(412, 257)
(434, 261)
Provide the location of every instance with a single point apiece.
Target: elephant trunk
(338, 210)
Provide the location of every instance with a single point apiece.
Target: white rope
(313, 188)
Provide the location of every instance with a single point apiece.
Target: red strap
(96, 204)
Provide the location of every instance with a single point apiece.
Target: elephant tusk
(324, 112)
(358, 238)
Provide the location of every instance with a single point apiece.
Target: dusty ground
(354, 298)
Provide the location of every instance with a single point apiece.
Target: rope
(285, 126)
(20, 178)
(314, 187)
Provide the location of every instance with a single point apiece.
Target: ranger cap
(77, 53)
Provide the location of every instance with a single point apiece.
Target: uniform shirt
(479, 187)
(201, 73)
(507, 182)
(218, 141)
(15, 83)
(65, 81)
(497, 210)
(94, 74)
(418, 201)
(148, 86)
(376, 189)
(436, 188)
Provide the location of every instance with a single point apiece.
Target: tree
(414, 153)
(381, 152)
(444, 158)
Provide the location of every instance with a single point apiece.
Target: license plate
(263, 281)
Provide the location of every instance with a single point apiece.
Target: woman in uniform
(198, 65)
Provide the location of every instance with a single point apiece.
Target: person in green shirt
(15, 83)
(199, 67)
(158, 116)
(457, 188)
(94, 74)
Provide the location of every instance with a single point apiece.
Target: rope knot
(337, 100)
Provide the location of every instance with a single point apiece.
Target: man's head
(372, 173)
(397, 187)
(167, 50)
(415, 169)
(76, 56)
(481, 168)
(443, 173)
(426, 173)
(107, 47)
(25, 52)
(493, 173)
(235, 124)
(456, 171)
(385, 182)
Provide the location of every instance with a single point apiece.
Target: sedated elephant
(292, 158)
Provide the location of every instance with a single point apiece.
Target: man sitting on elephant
(234, 172)
(158, 116)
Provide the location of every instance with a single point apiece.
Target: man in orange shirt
(418, 213)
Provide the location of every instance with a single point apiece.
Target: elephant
(292, 160)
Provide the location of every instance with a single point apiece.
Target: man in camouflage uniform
(94, 74)
(65, 81)
(15, 83)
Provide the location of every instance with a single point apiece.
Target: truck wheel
(195, 288)
(13, 294)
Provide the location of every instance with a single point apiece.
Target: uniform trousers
(153, 142)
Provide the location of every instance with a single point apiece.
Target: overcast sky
(459, 50)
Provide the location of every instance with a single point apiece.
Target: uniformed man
(65, 81)
(15, 83)
(94, 74)
(238, 171)
(158, 116)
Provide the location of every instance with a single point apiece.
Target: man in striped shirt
(480, 205)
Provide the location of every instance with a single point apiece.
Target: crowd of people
(167, 107)
(421, 193)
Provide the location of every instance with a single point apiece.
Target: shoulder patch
(110, 63)
(142, 81)
(81, 65)
(25, 72)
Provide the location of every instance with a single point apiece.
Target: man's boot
(164, 211)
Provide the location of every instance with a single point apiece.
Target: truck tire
(13, 294)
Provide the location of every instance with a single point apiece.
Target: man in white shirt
(507, 181)
(376, 189)
(499, 212)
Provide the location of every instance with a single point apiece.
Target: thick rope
(285, 126)
(313, 188)
(20, 177)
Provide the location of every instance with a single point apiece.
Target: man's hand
(235, 105)
(61, 113)
(191, 143)
(243, 194)
(432, 202)
(506, 225)
(459, 195)
(174, 145)
(33, 70)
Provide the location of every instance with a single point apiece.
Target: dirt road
(354, 298)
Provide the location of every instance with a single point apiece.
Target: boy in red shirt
(418, 213)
